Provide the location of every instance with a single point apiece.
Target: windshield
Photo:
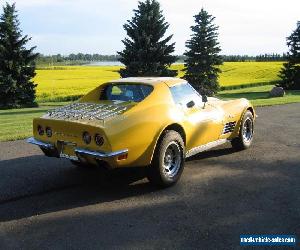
(126, 92)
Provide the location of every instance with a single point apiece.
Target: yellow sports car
(147, 122)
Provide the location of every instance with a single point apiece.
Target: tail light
(40, 130)
(99, 140)
(86, 137)
(48, 132)
(122, 157)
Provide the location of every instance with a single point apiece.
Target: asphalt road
(47, 203)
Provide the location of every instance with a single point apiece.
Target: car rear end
(78, 133)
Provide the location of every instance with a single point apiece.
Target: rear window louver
(86, 111)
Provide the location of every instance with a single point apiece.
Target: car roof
(170, 81)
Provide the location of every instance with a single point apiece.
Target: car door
(203, 122)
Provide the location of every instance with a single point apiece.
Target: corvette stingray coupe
(148, 122)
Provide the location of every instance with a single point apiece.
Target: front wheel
(168, 160)
(245, 138)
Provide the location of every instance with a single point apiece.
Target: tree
(17, 66)
(147, 52)
(202, 56)
(290, 73)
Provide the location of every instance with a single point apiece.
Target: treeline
(246, 58)
(71, 59)
(260, 58)
(81, 58)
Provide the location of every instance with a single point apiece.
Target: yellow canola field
(63, 83)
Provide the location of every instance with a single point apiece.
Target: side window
(184, 93)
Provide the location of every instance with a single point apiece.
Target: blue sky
(95, 26)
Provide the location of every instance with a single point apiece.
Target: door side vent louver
(229, 127)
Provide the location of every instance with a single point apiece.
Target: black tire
(168, 160)
(245, 138)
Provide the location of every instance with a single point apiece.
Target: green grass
(67, 83)
(17, 123)
(259, 96)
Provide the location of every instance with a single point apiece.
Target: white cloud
(246, 26)
(64, 44)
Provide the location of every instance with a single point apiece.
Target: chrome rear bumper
(40, 143)
(101, 155)
(80, 151)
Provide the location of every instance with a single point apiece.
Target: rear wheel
(168, 160)
(245, 138)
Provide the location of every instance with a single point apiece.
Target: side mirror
(190, 104)
(204, 98)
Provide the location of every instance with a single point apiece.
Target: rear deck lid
(88, 112)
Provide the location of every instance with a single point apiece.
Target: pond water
(105, 63)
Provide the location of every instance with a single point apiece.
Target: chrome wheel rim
(172, 160)
(248, 130)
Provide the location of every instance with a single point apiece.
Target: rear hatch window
(126, 92)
